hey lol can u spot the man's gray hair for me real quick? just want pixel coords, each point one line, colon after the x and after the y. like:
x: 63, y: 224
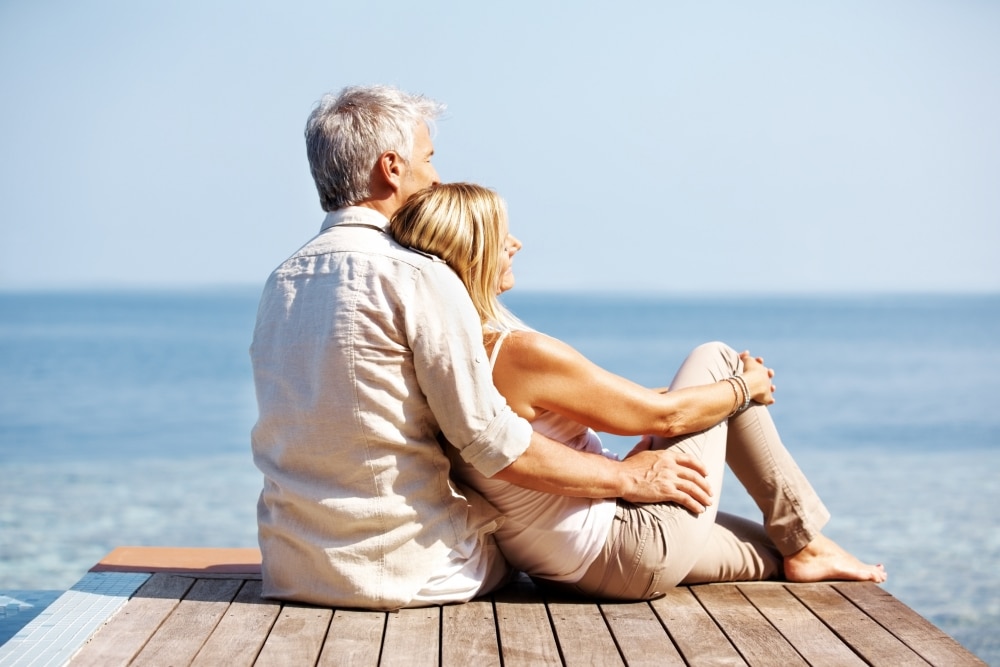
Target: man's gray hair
x: 346, y: 133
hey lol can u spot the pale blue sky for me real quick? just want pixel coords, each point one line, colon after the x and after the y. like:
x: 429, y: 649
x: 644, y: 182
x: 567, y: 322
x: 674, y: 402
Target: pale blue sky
x: 655, y: 146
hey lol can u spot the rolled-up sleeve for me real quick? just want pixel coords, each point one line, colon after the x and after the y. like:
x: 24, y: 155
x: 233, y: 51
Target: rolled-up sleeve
x: 454, y: 373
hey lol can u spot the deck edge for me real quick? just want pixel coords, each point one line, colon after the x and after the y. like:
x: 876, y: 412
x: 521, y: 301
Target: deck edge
x: 181, y: 560
x: 58, y: 632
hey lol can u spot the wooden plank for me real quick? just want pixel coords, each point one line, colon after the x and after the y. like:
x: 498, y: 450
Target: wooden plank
x: 412, y: 638
x: 810, y: 637
x: 355, y: 638
x: 870, y: 640
x: 125, y: 634
x: 641, y: 638
x: 469, y: 635
x: 696, y: 635
x: 185, y: 631
x: 526, y: 636
x: 296, y: 637
x: 241, y: 633
x: 174, y: 618
x: 754, y: 637
x: 582, y: 634
x: 911, y: 628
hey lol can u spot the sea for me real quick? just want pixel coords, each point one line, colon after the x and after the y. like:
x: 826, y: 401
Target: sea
x: 125, y: 420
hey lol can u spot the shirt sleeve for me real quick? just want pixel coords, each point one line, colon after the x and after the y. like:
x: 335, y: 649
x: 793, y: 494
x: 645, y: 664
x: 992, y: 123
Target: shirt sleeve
x: 451, y: 366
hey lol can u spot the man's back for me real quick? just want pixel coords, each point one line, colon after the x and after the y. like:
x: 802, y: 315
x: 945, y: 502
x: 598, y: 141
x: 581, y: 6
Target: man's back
x: 352, y: 357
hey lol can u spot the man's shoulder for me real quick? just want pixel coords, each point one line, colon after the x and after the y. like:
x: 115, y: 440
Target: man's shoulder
x: 425, y: 256
x: 361, y: 242
x: 367, y: 256
x: 361, y: 230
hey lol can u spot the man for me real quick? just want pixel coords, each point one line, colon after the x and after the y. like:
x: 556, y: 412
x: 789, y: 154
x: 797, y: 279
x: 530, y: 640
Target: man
x: 363, y: 353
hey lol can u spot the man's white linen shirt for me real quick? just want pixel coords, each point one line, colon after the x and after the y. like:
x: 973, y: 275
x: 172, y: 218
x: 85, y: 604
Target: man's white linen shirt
x: 362, y: 353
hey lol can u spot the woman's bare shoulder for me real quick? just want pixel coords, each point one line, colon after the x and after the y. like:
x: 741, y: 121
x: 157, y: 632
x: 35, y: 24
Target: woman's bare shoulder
x: 532, y: 367
x: 535, y: 350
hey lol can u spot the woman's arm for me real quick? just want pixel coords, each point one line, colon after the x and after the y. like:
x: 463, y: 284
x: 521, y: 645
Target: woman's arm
x: 534, y: 371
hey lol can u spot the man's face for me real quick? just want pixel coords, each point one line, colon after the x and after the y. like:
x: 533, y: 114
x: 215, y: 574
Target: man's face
x: 420, y: 173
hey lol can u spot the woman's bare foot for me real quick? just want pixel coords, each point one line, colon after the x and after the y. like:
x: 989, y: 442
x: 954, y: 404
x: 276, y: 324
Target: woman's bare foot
x: 825, y: 560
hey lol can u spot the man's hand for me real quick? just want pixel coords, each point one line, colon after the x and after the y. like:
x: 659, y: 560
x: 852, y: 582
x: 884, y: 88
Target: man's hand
x: 666, y: 476
x: 649, y: 476
x: 641, y: 446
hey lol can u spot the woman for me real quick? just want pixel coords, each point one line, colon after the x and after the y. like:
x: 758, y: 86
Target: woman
x: 715, y: 409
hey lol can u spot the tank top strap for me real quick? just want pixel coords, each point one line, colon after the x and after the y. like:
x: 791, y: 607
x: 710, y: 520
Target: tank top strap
x: 496, y: 347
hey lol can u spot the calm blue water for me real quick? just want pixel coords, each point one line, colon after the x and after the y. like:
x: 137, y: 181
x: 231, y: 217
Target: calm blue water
x: 124, y: 419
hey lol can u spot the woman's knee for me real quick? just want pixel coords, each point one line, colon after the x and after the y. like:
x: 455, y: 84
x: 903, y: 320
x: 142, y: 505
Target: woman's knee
x: 717, y: 349
x: 708, y: 362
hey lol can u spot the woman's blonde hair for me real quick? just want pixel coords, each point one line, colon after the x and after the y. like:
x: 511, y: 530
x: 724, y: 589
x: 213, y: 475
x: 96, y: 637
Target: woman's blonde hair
x: 466, y: 226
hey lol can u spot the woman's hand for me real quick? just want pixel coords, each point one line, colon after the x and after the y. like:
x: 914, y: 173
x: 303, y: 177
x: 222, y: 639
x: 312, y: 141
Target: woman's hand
x: 758, y: 379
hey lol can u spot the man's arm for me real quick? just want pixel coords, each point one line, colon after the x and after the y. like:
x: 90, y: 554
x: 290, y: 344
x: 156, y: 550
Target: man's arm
x: 454, y: 373
x: 644, y: 477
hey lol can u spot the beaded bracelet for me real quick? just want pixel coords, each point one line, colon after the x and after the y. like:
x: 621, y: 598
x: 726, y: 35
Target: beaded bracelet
x: 731, y: 381
x: 746, y: 392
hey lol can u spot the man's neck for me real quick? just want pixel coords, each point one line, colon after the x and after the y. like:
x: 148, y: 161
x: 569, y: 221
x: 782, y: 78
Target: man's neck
x: 385, y: 207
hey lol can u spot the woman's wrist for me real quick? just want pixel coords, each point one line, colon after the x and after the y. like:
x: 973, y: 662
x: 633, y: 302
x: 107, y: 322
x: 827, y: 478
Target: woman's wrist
x: 741, y: 394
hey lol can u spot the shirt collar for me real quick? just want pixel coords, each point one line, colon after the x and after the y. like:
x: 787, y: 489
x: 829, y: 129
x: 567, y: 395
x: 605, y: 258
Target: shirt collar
x: 356, y: 216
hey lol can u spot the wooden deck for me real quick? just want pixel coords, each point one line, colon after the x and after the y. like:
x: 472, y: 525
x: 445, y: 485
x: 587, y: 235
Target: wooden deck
x: 203, y: 607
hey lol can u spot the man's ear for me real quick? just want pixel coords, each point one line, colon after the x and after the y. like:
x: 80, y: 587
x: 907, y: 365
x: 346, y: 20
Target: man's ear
x: 390, y: 169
